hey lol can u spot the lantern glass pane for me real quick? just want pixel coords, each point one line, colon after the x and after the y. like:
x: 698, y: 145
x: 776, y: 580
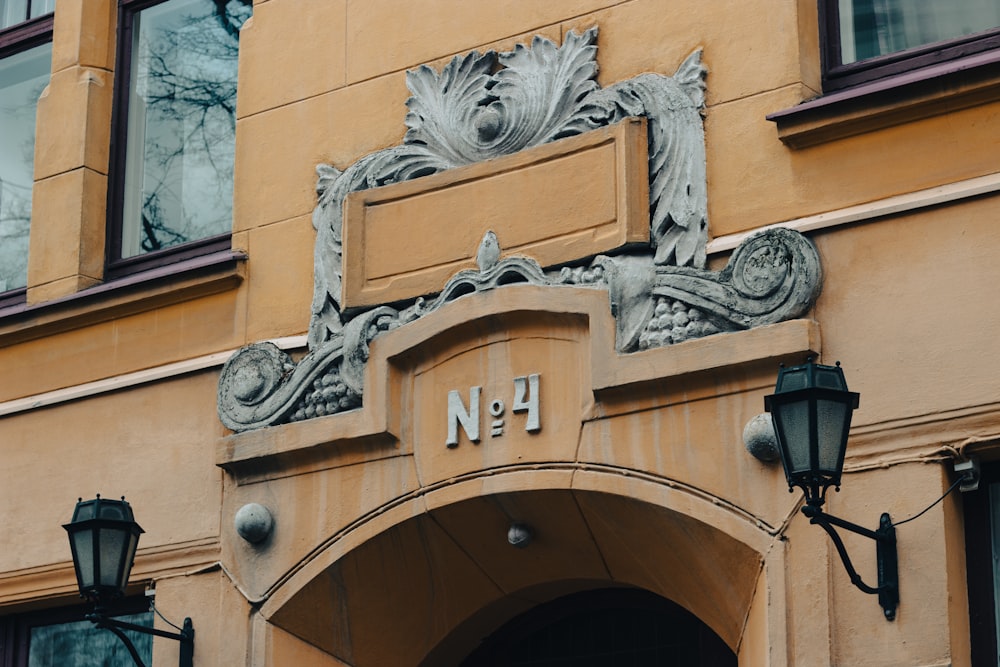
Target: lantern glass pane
x: 792, y: 422
x: 792, y: 379
x: 112, y: 509
x: 132, y: 544
x: 831, y: 416
x: 85, y: 511
x: 83, y: 544
x: 829, y: 377
x: 112, y: 551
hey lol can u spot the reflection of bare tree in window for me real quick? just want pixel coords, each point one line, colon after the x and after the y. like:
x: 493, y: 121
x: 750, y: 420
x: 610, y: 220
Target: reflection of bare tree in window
x: 190, y: 92
x: 15, y: 195
x: 15, y: 220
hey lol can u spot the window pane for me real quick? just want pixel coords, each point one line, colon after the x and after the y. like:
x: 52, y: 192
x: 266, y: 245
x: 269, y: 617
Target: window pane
x: 181, y: 134
x: 23, y: 76
x: 80, y: 644
x: 870, y: 28
x: 42, y: 7
x: 12, y: 12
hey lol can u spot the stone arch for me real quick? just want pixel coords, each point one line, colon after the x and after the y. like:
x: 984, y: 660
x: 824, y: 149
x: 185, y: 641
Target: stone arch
x: 392, y: 589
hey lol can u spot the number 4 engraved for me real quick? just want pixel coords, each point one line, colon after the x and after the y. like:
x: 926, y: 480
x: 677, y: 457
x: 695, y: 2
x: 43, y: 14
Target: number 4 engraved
x: 526, y: 400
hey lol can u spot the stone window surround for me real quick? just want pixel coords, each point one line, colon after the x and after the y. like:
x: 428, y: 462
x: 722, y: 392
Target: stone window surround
x: 14, y: 39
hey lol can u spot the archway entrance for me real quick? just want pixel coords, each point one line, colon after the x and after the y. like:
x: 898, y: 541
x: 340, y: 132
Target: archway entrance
x: 613, y: 626
x: 438, y: 581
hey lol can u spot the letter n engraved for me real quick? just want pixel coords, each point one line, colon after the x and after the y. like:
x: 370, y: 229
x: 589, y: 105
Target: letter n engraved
x: 458, y: 415
x: 526, y: 400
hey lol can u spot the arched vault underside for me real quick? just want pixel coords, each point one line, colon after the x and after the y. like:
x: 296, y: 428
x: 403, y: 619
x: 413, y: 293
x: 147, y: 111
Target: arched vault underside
x: 434, y: 575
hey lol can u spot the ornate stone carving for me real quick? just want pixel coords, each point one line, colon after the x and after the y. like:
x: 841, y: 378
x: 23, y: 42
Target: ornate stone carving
x: 260, y: 386
x: 774, y: 275
x: 472, y: 111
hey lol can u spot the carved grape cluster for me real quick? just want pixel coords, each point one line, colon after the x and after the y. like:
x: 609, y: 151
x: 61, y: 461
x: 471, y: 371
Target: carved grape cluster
x: 674, y: 322
x: 580, y: 275
x: 327, y: 395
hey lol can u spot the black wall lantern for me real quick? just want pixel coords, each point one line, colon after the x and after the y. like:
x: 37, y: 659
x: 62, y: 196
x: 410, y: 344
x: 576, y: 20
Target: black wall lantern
x: 103, y: 537
x: 811, y: 410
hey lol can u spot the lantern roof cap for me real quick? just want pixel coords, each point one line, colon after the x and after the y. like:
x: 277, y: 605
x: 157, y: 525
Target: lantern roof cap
x: 104, y: 509
x: 810, y: 375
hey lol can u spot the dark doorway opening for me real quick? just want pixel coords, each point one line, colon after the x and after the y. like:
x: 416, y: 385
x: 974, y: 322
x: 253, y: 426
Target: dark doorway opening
x: 618, y: 626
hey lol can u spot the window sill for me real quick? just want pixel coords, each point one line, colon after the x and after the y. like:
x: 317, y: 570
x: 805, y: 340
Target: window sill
x: 140, y: 292
x: 915, y: 95
x: 13, y: 298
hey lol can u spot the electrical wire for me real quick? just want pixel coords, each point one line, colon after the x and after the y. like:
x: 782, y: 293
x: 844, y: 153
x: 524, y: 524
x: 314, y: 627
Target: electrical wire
x: 152, y: 605
x: 950, y: 489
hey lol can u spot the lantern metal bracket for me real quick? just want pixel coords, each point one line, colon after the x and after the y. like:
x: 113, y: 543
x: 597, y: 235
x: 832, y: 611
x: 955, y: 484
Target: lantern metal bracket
x: 885, y: 554
x: 185, y: 636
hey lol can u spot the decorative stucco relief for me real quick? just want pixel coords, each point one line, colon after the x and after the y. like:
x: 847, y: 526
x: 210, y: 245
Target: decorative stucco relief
x: 472, y: 111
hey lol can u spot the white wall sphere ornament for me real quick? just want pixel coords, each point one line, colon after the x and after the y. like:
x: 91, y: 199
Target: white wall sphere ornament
x: 254, y: 522
x: 759, y: 438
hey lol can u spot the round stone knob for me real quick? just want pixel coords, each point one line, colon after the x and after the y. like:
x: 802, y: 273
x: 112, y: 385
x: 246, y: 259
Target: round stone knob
x: 759, y: 438
x: 254, y: 523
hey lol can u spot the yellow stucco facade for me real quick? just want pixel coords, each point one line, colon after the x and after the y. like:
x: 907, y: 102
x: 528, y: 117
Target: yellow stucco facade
x: 389, y: 546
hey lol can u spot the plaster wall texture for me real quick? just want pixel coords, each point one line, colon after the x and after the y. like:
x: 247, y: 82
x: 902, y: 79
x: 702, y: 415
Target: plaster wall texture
x: 220, y: 615
x: 907, y: 305
x: 145, y: 444
x: 122, y: 345
x: 902, y: 268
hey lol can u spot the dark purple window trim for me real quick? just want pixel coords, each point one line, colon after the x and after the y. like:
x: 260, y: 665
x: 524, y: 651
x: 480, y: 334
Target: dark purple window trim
x: 115, y: 265
x: 10, y: 298
x: 837, y: 76
x: 161, y: 258
x: 943, y: 75
x: 921, y: 93
x: 15, y: 39
x: 21, y: 36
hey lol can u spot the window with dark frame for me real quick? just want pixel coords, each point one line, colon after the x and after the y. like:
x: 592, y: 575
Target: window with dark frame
x: 982, y: 557
x: 25, y: 65
x: 171, y: 187
x: 867, y: 40
x: 63, y: 637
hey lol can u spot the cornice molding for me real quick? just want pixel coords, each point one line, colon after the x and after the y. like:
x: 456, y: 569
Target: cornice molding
x: 58, y: 581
